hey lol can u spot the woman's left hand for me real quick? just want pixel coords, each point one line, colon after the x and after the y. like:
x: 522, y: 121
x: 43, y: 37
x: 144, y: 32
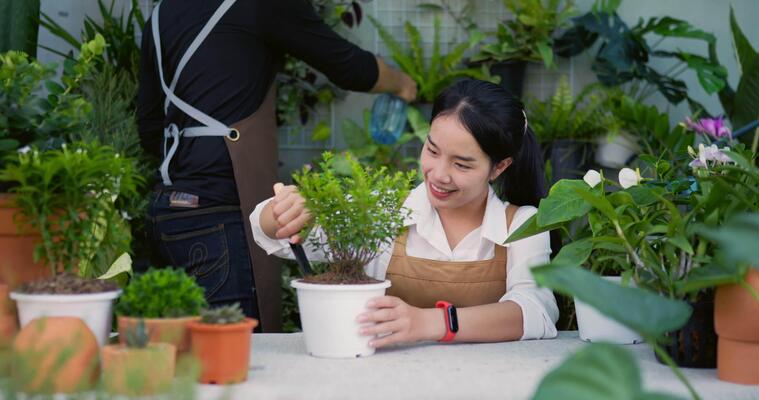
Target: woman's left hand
x: 398, y: 322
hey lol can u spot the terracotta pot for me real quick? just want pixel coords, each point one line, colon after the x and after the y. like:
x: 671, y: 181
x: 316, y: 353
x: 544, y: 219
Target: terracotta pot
x: 138, y: 372
x: 8, y: 321
x: 17, y: 264
x: 55, y: 355
x: 160, y: 330
x: 736, y: 319
x: 223, y: 350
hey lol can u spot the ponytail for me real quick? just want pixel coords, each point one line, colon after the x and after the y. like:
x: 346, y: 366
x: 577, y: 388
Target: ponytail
x: 523, y: 182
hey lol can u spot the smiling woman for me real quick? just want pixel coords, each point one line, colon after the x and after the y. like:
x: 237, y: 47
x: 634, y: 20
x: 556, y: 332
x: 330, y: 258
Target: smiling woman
x: 482, y: 179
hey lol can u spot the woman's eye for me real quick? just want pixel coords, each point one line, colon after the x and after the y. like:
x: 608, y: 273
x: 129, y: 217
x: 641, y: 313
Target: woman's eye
x: 432, y: 151
x: 462, y: 166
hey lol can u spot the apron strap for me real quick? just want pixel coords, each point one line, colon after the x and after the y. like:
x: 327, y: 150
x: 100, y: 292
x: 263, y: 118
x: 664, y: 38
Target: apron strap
x: 212, y: 126
x: 223, y: 8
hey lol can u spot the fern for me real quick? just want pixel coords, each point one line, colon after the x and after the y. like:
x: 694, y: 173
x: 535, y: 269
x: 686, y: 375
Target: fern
x: 441, y: 71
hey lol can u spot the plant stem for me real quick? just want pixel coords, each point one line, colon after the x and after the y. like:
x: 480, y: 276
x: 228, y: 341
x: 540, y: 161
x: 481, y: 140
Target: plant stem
x: 750, y: 289
x: 671, y: 363
x: 755, y: 144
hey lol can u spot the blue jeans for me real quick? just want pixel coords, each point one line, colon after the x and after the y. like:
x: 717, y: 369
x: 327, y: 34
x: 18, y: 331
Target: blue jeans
x: 209, y: 243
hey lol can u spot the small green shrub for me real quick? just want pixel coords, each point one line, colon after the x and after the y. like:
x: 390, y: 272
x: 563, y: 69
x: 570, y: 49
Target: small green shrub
x: 358, y: 213
x: 162, y: 293
x: 230, y: 314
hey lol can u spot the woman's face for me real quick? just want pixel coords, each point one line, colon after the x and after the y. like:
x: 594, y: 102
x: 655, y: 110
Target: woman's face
x: 456, y: 170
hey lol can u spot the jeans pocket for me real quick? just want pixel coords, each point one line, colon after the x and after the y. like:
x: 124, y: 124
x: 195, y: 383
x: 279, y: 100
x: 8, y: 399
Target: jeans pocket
x: 203, y: 253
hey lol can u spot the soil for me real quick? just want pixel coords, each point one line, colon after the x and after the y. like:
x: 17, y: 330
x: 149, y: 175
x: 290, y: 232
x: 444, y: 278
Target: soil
x: 67, y: 283
x: 330, y: 278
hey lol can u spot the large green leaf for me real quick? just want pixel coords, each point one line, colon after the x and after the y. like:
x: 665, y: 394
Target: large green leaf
x: 575, y: 253
x: 710, y: 276
x: 18, y: 25
x: 647, y: 313
x: 600, y: 371
x: 563, y: 203
x: 744, y: 52
x: 737, y: 238
x: 746, y: 105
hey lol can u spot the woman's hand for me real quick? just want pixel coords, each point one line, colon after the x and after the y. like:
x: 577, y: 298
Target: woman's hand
x: 398, y: 322
x: 286, y: 214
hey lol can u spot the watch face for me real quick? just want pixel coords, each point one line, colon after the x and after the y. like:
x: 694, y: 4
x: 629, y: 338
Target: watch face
x: 453, y: 319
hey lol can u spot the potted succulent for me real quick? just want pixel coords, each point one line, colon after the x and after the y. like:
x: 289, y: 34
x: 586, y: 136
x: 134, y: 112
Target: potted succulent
x: 354, y: 216
x: 527, y: 37
x: 221, y: 341
x: 138, y: 367
x: 54, y: 355
x: 166, y: 299
x: 567, y: 126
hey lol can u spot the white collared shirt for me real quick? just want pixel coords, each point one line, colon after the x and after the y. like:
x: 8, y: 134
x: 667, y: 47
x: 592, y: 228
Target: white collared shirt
x: 426, y: 239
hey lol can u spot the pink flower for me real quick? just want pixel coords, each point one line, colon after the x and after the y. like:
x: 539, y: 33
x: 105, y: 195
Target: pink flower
x: 707, y: 156
x: 714, y: 127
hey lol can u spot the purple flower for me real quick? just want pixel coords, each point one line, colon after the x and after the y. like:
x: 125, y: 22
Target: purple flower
x: 708, y: 156
x: 714, y: 127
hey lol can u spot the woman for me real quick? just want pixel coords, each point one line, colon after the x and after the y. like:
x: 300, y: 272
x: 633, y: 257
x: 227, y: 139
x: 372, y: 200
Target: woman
x: 479, y: 151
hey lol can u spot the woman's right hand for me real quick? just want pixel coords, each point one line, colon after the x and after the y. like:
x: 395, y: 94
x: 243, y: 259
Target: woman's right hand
x: 288, y: 213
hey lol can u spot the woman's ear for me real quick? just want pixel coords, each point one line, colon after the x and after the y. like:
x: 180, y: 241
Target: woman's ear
x: 500, y: 167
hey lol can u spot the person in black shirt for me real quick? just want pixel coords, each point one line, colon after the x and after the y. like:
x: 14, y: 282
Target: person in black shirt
x: 215, y: 61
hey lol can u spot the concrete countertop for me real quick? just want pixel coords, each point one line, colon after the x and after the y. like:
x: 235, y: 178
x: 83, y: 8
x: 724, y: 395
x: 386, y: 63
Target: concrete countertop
x: 281, y: 369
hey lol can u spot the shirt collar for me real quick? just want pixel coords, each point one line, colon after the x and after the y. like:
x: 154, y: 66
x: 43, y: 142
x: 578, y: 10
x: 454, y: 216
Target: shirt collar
x: 424, y: 216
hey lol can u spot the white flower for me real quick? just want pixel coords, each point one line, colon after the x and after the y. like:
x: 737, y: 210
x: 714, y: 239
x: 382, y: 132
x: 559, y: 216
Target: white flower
x: 709, y: 156
x: 24, y: 150
x: 628, y: 177
x: 592, y: 178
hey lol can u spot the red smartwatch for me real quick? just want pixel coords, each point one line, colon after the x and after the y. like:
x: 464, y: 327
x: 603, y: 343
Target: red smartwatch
x: 451, y: 320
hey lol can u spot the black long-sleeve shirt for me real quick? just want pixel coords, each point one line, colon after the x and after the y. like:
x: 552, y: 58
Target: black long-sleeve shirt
x: 229, y: 76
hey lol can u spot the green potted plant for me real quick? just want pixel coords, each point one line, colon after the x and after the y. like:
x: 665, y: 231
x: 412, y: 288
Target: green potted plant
x: 737, y: 297
x: 166, y: 299
x: 625, y: 53
x: 31, y: 117
x: 440, y: 71
x: 567, y: 125
x: 356, y: 215
x: 648, y: 228
x: 138, y: 367
x: 526, y: 37
x: 221, y: 341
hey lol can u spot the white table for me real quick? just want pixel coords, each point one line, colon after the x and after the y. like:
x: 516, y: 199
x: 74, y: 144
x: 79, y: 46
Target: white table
x: 281, y: 369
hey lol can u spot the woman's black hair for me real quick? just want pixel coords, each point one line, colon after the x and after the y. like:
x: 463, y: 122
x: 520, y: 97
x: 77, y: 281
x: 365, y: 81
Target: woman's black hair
x: 499, y: 124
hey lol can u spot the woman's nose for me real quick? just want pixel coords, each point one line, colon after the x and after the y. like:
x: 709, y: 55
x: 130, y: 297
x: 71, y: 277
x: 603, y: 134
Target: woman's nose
x: 440, y: 173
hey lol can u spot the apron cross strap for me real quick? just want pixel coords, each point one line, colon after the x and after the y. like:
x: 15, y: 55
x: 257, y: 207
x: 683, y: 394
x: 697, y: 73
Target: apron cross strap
x: 211, y: 126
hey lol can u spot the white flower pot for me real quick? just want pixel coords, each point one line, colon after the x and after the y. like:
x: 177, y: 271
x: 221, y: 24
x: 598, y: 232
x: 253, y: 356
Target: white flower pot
x: 95, y: 309
x: 614, y: 151
x: 328, y: 316
x: 596, y: 327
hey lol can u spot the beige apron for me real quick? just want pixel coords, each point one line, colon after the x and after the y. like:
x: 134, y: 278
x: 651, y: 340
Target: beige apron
x: 252, y: 146
x: 421, y: 282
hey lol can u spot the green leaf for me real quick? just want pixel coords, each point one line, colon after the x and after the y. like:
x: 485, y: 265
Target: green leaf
x: 737, y: 238
x: 563, y: 204
x: 529, y: 228
x: 600, y: 371
x: 598, y: 202
x: 321, y: 132
x: 645, y: 312
x: 744, y: 52
x: 122, y: 265
x: 575, y: 253
x: 746, y: 105
x: 710, y: 276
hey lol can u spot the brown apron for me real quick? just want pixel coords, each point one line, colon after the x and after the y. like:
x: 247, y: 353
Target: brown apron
x: 421, y: 282
x: 255, y: 160
x: 252, y: 146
